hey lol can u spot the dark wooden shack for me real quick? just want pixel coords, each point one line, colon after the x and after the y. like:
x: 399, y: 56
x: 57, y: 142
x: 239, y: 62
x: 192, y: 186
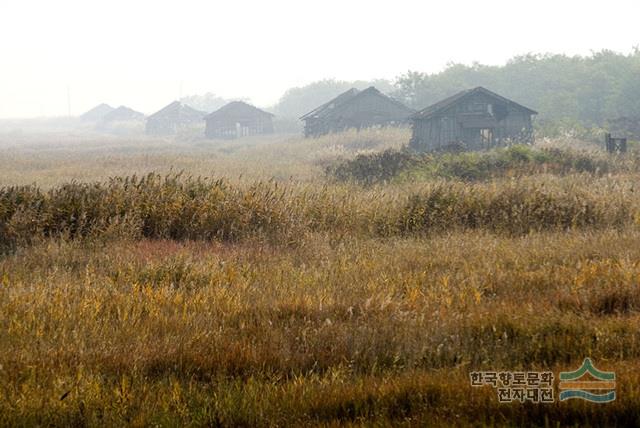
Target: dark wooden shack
x: 355, y: 109
x: 615, y: 144
x: 474, y: 119
x: 238, y: 119
x: 172, y: 119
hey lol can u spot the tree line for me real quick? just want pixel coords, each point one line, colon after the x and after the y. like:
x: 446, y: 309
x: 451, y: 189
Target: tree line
x: 584, y: 91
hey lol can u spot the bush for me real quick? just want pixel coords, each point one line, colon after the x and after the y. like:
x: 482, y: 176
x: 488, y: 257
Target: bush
x: 374, y: 168
x: 200, y: 209
x: 473, y: 166
x: 512, y: 209
x: 152, y: 206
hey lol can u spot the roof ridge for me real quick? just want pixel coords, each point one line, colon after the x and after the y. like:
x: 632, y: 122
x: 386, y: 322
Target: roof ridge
x: 449, y: 101
x: 332, y: 100
x: 226, y: 107
x: 358, y: 93
x: 181, y: 106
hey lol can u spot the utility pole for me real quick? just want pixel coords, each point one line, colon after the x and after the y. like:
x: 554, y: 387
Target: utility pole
x: 69, y: 101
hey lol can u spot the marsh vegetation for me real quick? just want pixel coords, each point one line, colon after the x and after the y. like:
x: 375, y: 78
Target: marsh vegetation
x: 338, y: 280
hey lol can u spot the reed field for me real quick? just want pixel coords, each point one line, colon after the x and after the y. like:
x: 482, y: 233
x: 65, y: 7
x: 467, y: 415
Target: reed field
x: 55, y: 159
x: 323, y: 282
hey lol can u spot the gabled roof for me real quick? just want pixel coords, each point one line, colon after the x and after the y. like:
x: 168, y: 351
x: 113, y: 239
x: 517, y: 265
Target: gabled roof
x: 98, y: 112
x: 445, y: 104
x: 122, y: 113
x: 178, y: 109
x: 343, y: 97
x: 348, y: 97
x: 238, y: 107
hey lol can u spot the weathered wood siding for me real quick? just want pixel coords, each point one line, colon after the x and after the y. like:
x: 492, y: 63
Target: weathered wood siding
x: 365, y: 111
x: 236, y: 126
x: 370, y: 110
x: 478, y: 121
x: 163, y: 126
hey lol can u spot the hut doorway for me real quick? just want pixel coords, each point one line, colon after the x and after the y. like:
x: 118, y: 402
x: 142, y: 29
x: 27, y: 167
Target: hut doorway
x: 486, y: 136
x: 478, y: 138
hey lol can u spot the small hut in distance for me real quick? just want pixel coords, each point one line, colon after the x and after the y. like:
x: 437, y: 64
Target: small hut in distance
x: 122, y: 121
x: 122, y: 114
x: 97, y: 113
x: 238, y: 119
x: 172, y: 119
x: 474, y: 119
x: 355, y: 109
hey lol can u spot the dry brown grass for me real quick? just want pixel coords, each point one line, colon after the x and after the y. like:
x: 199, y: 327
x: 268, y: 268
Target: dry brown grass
x: 330, y: 305
x: 146, y: 331
x: 49, y: 161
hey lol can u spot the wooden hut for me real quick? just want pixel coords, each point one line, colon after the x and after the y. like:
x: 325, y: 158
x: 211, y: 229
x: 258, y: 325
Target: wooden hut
x: 238, y: 119
x: 173, y: 118
x: 122, y: 121
x: 355, y: 109
x: 473, y: 119
x: 97, y: 113
x: 122, y: 114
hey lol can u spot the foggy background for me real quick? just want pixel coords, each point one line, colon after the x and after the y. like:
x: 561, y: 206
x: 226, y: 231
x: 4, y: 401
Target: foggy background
x: 145, y: 54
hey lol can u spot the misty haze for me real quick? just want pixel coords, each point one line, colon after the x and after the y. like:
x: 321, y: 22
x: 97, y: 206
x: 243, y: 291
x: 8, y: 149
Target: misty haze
x: 344, y: 213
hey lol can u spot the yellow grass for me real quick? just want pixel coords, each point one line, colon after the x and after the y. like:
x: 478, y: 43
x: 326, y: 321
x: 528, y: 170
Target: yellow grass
x: 370, y: 311
x: 48, y: 160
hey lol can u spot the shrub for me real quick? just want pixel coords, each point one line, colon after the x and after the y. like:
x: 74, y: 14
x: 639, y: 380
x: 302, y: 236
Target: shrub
x: 511, y: 208
x: 179, y: 208
x: 374, y: 168
x: 474, y: 166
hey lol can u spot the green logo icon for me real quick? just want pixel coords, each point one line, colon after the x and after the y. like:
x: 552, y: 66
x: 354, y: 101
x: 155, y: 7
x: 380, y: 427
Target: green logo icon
x: 571, y: 385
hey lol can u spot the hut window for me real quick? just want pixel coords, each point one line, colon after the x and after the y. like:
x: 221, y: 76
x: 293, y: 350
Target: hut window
x: 500, y: 111
x: 477, y: 107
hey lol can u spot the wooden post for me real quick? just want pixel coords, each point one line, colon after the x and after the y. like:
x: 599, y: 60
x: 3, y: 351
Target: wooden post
x: 615, y: 145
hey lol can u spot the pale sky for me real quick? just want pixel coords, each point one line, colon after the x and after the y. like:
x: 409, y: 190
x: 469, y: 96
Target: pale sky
x: 141, y: 53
